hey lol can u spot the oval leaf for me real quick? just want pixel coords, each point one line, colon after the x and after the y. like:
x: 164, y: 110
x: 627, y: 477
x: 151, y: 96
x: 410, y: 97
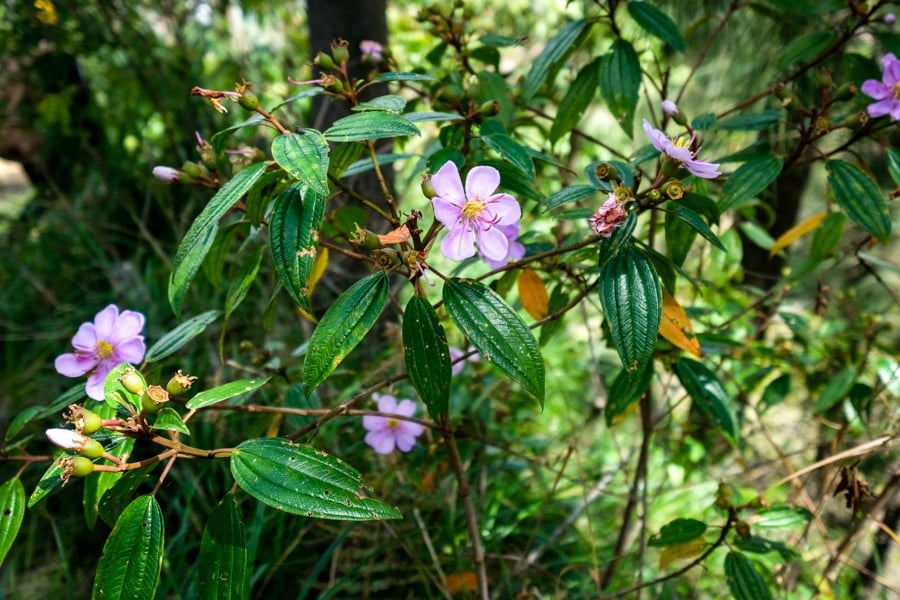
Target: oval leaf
x: 180, y: 336
x: 632, y: 301
x: 427, y: 355
x: 620, y: 82
x: 708, y: 393
x: 572, y: 193
x: 669, y: 554
x: 497, y: 332
x: 782, y: 517
x: 302, y: 480
x: 294, y: 239
x: 226, y: 391
x: 796, y: 232
x: 305, y: 157
x: 860, y: 198
x: 12, y: 511
x: 199, y: 238
x: 657, y: 23
x: 677, y: 532
x: 372, y: 125
x: 749, y: 180
x: 744, y: 581
x: 611, y: 247
x: 511, y: 151
x: 343, y: 326
x: 223, y: 554
x: 533, y: 294
x: 676, y: 327
x: 167, y: 419
x: 132, y: 556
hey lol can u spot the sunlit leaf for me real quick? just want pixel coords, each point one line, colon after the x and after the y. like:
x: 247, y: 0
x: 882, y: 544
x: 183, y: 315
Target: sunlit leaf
x: 555, y: 51
x: 533, y: 294
x: 781, y: 517
x: 225, y: 392
x: 620, y: 82
x: 576, y: 101
x: 372, y: 125
x: 679, y: 531
x: 796, y: 232
x: 676, y: 327
x: 305, y: 157
x: 657, y: 23
x: 669, y: 554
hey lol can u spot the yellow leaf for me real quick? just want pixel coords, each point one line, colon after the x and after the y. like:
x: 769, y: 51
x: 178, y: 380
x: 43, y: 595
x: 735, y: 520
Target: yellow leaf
x: 533, y: 294
x: 676, y: 327
x: 319, y: 266
x: 679, y: 551
x: 796, y: 232
x: 464, y: 581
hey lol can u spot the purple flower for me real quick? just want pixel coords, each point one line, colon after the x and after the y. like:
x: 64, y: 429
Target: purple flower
x: 514, y: 251
x: 166, y: 173
x: 456, y: 354
x: 372, y: 50
x: 476, y: 210
x: 112, y: 338
x: 670, y: 108
x: 608, y: 217
x: 886, y: 92
x: 890, y: 19
x: 67, y: 439
x: 680, y: 152
x: 386, y: 432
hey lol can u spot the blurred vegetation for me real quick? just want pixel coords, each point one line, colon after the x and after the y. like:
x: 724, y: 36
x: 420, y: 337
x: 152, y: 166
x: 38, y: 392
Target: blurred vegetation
x: 106, y: 89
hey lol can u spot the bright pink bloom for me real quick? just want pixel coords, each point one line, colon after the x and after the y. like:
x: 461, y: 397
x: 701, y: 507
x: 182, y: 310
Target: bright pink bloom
x: 386, y: 432
x: 887, y: 91
x: 112, y: 338
x: 514, y: 251
x: 476, y: 210
x: 681, y: 152
x: 608, y: 217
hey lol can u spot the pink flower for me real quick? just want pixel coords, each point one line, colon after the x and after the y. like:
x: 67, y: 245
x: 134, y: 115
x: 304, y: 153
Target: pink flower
x: 372, y: 50
x: 112, y: 338
x: 890, y: 18
x: 670, y: 108
x: 681, y: 152
x: 886, y: 92
x: 514, y: 251
x: 386, y: 432
x: 608, y: 217
x: 166, y: 173
x: 456, y: 354
x: 67, y: 439
x: 477, y: 210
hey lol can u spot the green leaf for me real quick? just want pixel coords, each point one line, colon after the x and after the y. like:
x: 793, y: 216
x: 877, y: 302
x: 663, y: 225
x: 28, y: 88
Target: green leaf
x: 776, y: 391
x: 893, y: 164
x: 782, y: 517
x: 427, y: 355
x: 387, y: 103
x: 114, y: 393
x: 132, y: 556
x: 679, y: 238
x: 751, y: 121
x: 699, y: 225
x: 404, y: 77
x: 12, y: 511
x: 365, y: 164
x: 860, y: 198
x: 200, y: 236
x: 116, y: 498
x: 759, y: 545
x: 611, y: 247
x: 302, y: 480
x: 626, y: 389
x: 512, y: 152
x: 432, y: 115
x: 225, y: 391
x: 548, y: 61
x: 223, y: 554
x: 50, y: 480
x: 679, y: 531
x: 497, y: 332
x: 836, y: 389
x: 97, y: 486
x: 620, y: 82
x: 305, y: 157
x: 294, y: 239
x: 181, y: 335
x: 343, y: 326
x: 243, y: 279
x: 23, y: 418
x: 576, y: 101
x: 572, y: 193
x: 167, y: 419
x: 748, y: 181
x: 708, y: 394
x: 342, y: 157
x: 370, y: 126
x: 632, y: 301
x: 657, y: 23
x: 744, y: 581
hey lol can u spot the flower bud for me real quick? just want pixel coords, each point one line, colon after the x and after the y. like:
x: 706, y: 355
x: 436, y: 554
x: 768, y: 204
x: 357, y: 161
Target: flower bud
x: 180, y: 383
x: 824, y: 80
x: 74, y: 441
x: 153, y: 399
x: 339, y: 51
x: 654, y: 195
x: 133, y: 381
x: 846, y: 91
x: 323, y: 61
x: 84, y: 420
x: 249, y: 101
x: 427, y: 188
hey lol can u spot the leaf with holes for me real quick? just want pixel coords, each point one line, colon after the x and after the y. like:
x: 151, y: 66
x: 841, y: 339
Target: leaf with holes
x: 12, y: 511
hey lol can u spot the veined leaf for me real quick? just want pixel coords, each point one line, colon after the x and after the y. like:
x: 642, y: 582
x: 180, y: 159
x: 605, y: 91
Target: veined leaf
x: 678, y: 531
x: 12, y: 511
x: 497, y: 332
x: 533, y: 294
x: 403, y: 77
x: 181, y: 335
x: 572, y: 193
x: 388, y: 103
x: 576, y: 101
x: 806, y: 48
x: 796, y: 232
x: 611, y: 247
x: 371, y: 125
x: 632, y: 301
x: 548, y: 61
x: 744, y: 581
x: 620, y: 82
x: 304, y: 156
x: 98, y: 485
x: 751, y: 121
x: 343, y: 326
x: 223, y: 554
x: 699, y: 225
x: 676, y: 327
x: 893, y: 164
x: 427, y: 356
x: 860, y: 198
x: 167, y: 419
x: 781, y: 517
x: 225, y: 391
x: 132, y: 556
x: 748, y: 181
x: 708, y: 394
x: 116, y: 498
x: 199, y: 237
x: 657, y: 23
x: 511, y: 151
x: 302, y: 480
x: 294, y: 239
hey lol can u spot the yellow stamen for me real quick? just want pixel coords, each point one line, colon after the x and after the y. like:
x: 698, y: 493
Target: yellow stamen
x: 393, y: 423
x: 103, y: 349
x: 472, y: 209
x: 896, y: 90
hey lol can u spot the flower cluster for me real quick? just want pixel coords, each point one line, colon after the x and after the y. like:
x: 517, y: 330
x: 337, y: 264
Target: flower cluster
x: 608, y: 217
x: 680, y: 152
x: 112, y: 338
x: 386, y: 432
x: 885, y: 92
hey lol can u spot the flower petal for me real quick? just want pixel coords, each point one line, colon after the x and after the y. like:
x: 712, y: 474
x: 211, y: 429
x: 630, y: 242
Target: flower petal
x: 407, y: 408
x: 130, y: 351
x: 446, y: 212
x: 105, y: 321
x: 881, y: 108
x: 891, y: 67
x: 381, y: 442
x: 481, y: 182
x: 875, y: 89
x: 374, y: 422
x: 386, y: 403
x: 505, y: 209
x: 492, y: 244
x: 448, y: 185
x: 702, y: 169
x: 659, y: 139
x: 458, y: 244
x: 85, y: 338
x: 128, y: 325
x: 74, y: 365
x: 405, y: 442
x: 95, y: 384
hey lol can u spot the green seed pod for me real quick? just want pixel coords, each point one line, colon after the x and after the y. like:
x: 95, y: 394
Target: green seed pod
x: 133, y: 382
x: 339, y: 51
x: 323, y: 61
x: 80, y: 466
x: 154, y: 399
x: 180, y: 383
x: 195, y: 170
x: 91, y: 449
x: 84, y: 420
x: 249, y: 101
x: 605, y: 172
x: 675, y: 190
x: 427, y: 188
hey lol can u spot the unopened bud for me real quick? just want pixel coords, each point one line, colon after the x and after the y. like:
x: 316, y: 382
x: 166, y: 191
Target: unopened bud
x: 154, y: 399
x: 180, y: 383
x: 427, y: 188
x: 74, y: 441
x: 824, y: 80
x: 167, y: 174
x: 194, y: 170
x: 84, y: 420
x: 654, y: 195
x: 857, y: 119
x: 364, y: 238
x: 742, y: 528
x: 846, y: 91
